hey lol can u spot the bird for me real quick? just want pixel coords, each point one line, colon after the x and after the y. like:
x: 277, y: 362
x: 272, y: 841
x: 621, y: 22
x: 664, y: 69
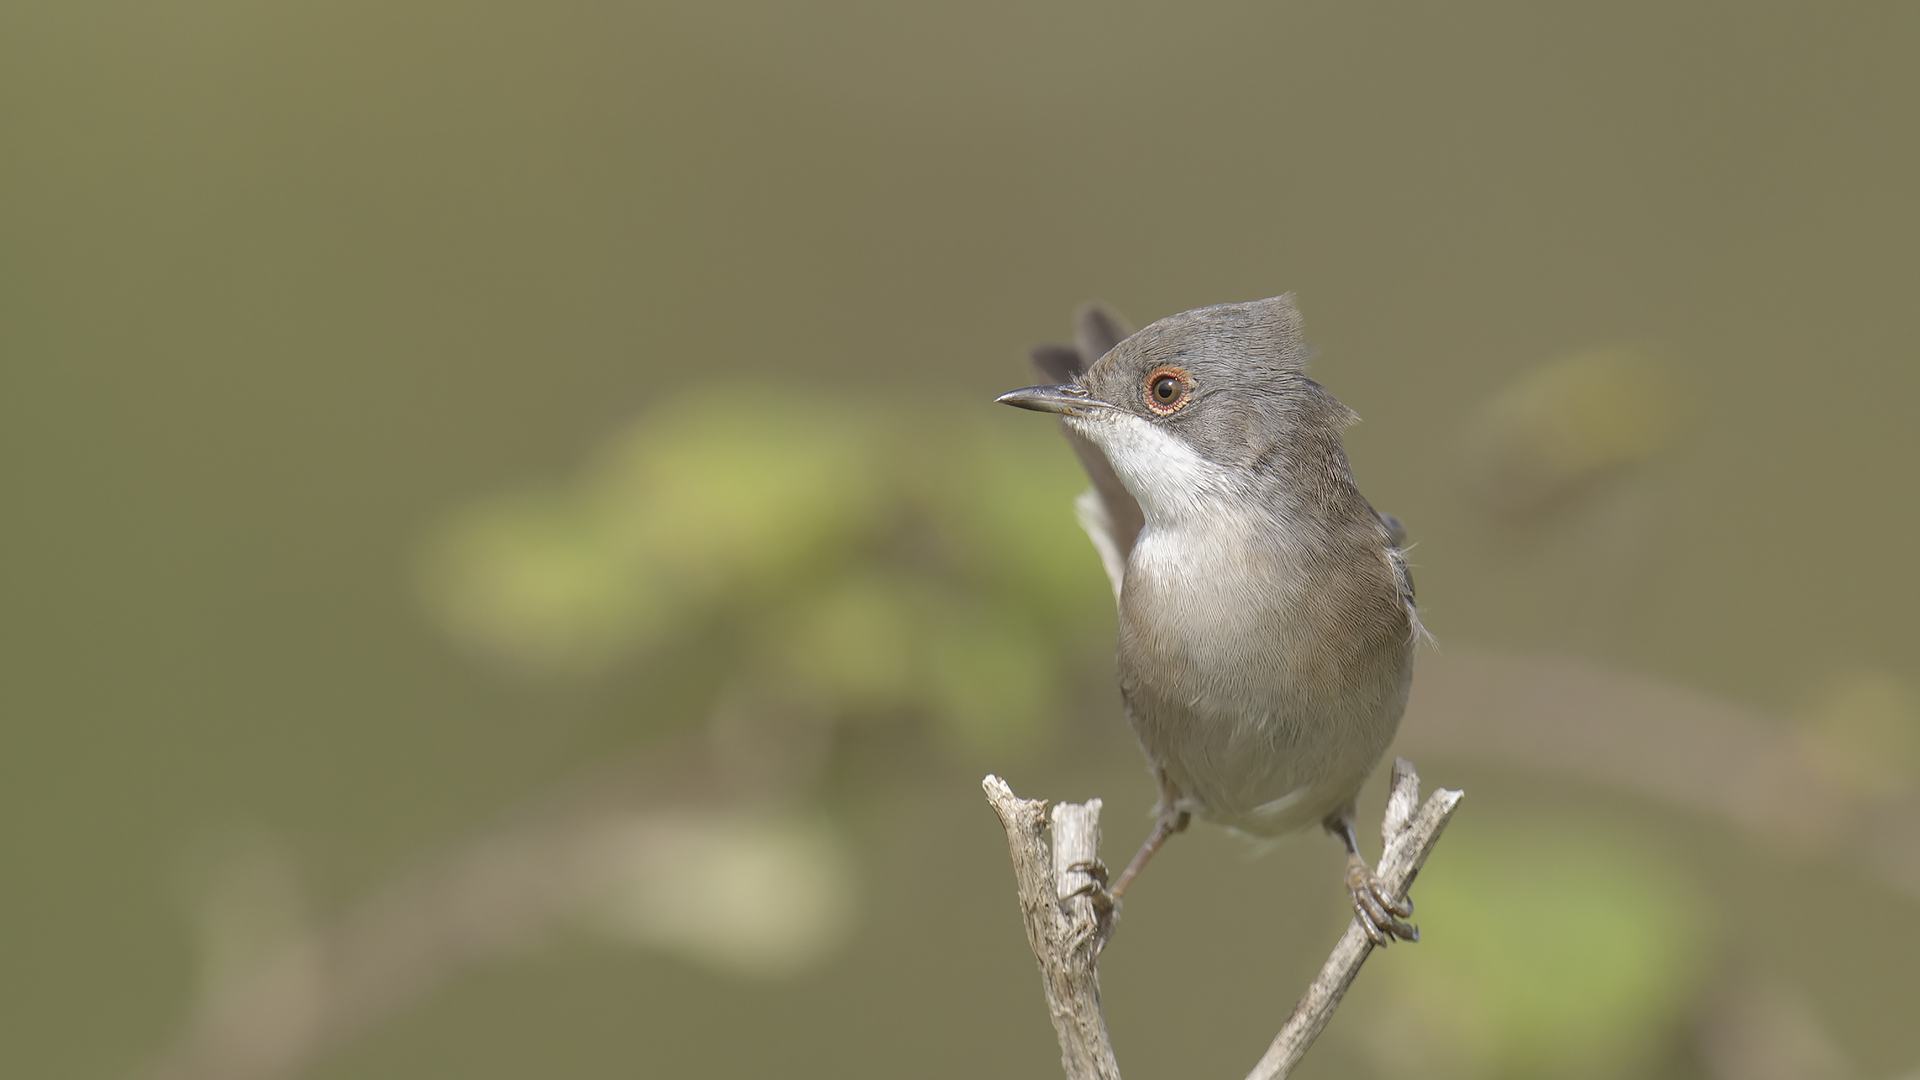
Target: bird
x: 1267, y: 621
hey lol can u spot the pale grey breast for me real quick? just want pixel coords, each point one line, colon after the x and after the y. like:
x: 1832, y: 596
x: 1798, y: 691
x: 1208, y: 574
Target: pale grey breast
x: 1265, y: 665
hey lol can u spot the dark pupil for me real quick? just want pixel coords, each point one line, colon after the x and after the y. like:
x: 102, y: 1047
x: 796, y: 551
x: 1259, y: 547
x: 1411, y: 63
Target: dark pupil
x: 1166, y: 388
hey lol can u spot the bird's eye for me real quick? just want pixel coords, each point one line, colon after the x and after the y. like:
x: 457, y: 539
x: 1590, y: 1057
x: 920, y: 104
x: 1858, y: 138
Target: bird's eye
x: 1167, y: 389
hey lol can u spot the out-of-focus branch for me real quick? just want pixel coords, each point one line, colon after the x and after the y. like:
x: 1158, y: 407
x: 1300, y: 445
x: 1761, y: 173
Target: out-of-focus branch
x: 1069, y: 917
x: 1568, y: 717
x: 481, y: 898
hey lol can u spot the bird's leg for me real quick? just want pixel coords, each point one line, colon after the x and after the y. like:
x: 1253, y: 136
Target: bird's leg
x: 1170, y: 821
x: 1380, y: 914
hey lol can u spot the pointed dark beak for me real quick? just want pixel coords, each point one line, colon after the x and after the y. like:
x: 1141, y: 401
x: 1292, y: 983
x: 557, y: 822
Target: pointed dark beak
x: 1068, y: 399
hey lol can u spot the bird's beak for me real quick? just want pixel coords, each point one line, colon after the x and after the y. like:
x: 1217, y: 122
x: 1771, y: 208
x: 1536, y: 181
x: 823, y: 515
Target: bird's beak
x: 1067, y: 399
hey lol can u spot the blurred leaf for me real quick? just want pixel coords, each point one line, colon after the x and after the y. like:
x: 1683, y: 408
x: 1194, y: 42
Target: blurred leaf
x: 1547, y: 952
x: 734, y: 488
x: 753, y: 896
x: 855, y: 647
x: 718, y: 495
x: 539, y: 580
x: 1008, y: 500
x: 862, y: 570
x: 994, y: 686
x: 1566, y: 423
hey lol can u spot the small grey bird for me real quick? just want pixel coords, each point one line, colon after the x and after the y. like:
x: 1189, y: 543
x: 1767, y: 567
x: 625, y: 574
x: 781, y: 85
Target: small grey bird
x: 1267, y: 620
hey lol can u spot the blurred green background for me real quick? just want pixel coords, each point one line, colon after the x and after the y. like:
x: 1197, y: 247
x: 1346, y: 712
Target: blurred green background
x: 511, y: 568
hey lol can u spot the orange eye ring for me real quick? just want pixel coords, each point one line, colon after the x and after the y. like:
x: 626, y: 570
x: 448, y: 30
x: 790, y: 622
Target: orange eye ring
x: 1167, y: 389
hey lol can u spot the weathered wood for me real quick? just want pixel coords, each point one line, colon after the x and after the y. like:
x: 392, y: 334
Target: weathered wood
x: 1063, y: 903
x: 1408, y: 838
x: 1069, y: 917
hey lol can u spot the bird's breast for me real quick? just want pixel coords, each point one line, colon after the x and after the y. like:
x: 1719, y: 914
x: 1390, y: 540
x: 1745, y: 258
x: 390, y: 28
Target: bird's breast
x: 1256, y: 664
x: 1218, y: 614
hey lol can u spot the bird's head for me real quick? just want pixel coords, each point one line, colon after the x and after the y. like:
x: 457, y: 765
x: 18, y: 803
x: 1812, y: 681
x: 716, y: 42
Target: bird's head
x: 1208, y: 400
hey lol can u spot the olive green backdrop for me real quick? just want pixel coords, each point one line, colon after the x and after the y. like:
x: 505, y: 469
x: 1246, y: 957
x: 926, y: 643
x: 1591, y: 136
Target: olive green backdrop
x: 359, y: 362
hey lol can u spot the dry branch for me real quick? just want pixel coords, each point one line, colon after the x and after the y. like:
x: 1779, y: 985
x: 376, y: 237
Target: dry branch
x: 1069, y: 917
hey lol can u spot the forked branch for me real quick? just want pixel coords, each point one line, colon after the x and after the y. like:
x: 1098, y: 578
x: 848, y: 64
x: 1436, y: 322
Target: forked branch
x: 1069, y: 918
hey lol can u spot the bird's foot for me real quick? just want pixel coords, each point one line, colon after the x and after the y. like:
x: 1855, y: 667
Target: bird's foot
x: 1380, y: 914
x: 1095, y: 887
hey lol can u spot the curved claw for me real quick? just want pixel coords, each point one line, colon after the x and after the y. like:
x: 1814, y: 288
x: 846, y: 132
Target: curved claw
x: 1374, y: 933
x: 1095, y: 887
x: 1093, y: 868
x: 1379, y: 913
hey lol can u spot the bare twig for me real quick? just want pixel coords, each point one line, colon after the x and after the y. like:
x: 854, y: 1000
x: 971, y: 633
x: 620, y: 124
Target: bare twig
x: 1069, y: 918
x: 1408, y: 839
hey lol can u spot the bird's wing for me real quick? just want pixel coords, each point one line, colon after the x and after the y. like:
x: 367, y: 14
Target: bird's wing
x: 1403, y: 575
x: 1396, y: 532
x: 1107, y: 510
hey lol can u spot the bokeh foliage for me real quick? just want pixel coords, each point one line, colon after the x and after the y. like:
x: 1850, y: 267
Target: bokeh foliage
x: 855, y: 562
x: 1555, y: 948
x: 285, y: 281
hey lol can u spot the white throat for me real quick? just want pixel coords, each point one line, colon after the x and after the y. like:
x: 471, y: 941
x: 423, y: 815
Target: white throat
x: 1173, y: 484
